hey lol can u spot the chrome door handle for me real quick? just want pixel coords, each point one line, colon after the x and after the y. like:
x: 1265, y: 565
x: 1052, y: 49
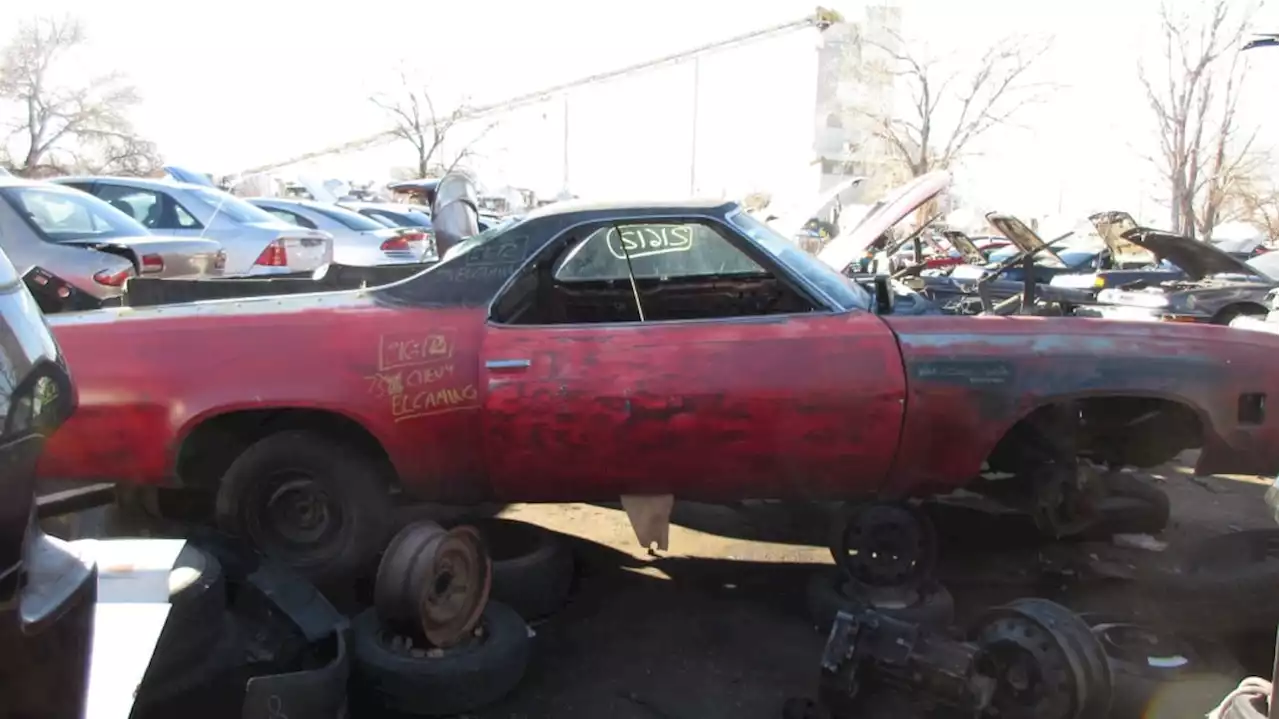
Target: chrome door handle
x: 507, y: 364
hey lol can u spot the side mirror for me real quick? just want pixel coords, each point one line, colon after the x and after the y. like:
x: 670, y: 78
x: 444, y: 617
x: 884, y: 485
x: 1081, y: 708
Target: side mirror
x: 884, y: 295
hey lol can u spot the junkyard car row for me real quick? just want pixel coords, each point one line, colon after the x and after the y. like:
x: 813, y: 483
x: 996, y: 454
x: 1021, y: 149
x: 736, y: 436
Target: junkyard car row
x: 641, y: 353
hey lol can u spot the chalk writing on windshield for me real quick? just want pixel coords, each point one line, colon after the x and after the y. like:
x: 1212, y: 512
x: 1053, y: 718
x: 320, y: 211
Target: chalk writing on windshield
x: 646, y: 240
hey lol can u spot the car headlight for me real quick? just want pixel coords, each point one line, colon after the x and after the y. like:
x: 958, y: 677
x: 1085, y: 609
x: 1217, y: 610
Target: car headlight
x: 1099, y: 281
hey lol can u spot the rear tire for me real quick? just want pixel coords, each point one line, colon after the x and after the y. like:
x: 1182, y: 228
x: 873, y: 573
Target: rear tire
x: 318, y: 506
x: 532, y: 567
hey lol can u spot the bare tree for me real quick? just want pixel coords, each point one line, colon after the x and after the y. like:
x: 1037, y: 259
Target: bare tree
x: 952, y: 103
x: 1252, y: 196
x: 418, y: 123
x: 1193, y: 98
x: 56, y: 125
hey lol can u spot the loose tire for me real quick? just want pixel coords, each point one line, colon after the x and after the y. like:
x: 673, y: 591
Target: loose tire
x: 198, y: 601
x: 829, y: 593
x: 456, y: 680
x: 211, y: 687
x: 532, y: 567
x: 312, y: 503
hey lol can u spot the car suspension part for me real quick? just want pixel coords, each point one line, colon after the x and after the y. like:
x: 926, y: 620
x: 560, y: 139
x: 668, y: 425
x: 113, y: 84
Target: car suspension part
x: 1030, y: 658
x: 433, y: 583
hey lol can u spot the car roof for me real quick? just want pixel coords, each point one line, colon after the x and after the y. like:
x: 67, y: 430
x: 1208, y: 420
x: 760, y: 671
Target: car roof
x: 298, y: 202
x: 147, y: 183
x: 675, y: 207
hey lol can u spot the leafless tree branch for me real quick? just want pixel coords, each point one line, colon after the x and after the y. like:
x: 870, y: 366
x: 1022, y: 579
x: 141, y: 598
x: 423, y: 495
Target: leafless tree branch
x: 952, y: 106
x: 55, y: 120
x: 1201, y: 150
x: 413, y: 112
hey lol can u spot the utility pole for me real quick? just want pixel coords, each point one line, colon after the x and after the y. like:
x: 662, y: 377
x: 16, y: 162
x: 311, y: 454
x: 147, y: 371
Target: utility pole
x: 564, y: 176
x: 693, y: 149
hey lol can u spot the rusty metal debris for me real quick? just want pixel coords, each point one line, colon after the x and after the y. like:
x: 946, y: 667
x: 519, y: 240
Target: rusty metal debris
x: 1029, y: 658
x: 434, y: 583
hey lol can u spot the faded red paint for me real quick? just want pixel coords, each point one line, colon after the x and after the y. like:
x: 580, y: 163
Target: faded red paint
x: 772, y: 407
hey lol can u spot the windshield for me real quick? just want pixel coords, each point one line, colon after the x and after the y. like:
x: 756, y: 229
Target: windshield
x: 1267, y: 264
x: 64, y: 215
x: 233, y: 207
x: 1070, y: 257
x: 840, y: 288
x: 347, y: 218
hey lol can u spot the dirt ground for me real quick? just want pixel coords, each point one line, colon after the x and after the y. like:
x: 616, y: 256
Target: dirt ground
x: 716, y: 628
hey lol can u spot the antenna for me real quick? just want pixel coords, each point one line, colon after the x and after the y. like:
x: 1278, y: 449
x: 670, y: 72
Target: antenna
x: 631, y: 275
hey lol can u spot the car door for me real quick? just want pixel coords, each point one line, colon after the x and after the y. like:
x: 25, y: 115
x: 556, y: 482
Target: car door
x: 805, y: 402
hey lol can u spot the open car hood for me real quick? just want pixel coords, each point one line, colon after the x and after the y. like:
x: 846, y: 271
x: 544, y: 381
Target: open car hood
x: 1197, y: 259
x: 962, y: 244
x: 1025, y: 239
x: 1111, y: 227
x: 853, y: 242
x: 793, y: 219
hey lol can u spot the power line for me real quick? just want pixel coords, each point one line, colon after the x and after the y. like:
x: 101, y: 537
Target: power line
x: 821, y: 19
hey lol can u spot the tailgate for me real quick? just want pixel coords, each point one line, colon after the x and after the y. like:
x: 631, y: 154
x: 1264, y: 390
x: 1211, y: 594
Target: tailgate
x: 306, y: 251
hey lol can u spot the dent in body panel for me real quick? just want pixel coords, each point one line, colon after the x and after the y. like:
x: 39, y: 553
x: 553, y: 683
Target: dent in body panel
x: 965, y: 390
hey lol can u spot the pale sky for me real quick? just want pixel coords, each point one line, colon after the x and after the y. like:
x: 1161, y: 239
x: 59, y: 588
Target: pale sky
x: 237, y: 84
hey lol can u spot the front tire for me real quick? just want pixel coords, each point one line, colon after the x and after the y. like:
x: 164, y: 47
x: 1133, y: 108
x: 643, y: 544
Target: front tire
x: 319, y: 506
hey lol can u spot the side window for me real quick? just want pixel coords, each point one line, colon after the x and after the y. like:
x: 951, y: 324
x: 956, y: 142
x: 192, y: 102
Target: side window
x: 695, y: 270
x: 138, y: 204
x: 291, y: 217
x: 155, y: 210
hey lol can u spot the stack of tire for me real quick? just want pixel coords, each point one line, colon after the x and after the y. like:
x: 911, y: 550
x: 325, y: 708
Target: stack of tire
x: 402, y: 674
x: 901, y: 586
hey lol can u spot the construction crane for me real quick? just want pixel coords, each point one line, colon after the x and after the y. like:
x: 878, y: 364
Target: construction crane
x: 821, y: 19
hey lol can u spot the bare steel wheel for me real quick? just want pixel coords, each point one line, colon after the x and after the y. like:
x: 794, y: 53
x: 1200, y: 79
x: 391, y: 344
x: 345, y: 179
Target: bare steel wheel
x: 434, y: 583
x: 882, y: 545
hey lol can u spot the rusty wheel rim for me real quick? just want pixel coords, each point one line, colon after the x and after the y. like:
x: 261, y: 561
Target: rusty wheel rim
x: 434, y: 583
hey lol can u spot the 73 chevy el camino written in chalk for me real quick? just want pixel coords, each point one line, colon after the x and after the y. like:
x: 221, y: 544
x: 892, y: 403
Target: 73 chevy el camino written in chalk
x: 588, y: 352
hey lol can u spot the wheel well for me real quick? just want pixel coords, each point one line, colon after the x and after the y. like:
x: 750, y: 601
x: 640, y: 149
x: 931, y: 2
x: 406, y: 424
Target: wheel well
x: 1119, y: 430
x: 210, y: 448
x: 1239, y: 308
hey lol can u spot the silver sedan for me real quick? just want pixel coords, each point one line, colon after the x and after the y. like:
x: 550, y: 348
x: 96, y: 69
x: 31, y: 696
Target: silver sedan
x: 91, y: 245
x: 357, y: 240
x: 255, y: 242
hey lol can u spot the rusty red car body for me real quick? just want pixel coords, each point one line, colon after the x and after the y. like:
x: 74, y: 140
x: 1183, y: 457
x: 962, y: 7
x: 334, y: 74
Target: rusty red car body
x: 836, y: 403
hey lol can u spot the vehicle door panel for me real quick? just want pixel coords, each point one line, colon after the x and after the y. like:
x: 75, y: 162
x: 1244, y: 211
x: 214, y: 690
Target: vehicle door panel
x: 761, y: 407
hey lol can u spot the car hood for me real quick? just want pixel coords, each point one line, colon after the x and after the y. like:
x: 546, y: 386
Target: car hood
x: 793, y: 219
x: 852, y: 243
x: 1111, y: 226
x: 965, y: 246
x: 1197, y: 259
x: 1025, y: 239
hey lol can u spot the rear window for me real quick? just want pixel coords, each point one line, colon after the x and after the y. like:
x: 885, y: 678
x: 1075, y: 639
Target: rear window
x: 225, y: 203
x: 66, y: 215
x: 347, y: 218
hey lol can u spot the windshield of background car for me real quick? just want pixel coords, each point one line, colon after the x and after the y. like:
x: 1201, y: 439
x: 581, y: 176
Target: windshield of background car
x: 233, y: 207
x: 348, y: 219
x: 66, y: 215
x: 1268, y: 264
x: 843, y: 290
x: 1070, y: 257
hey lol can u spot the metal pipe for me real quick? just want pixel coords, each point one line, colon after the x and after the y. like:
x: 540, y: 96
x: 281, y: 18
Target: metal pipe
x: 693, y: 149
